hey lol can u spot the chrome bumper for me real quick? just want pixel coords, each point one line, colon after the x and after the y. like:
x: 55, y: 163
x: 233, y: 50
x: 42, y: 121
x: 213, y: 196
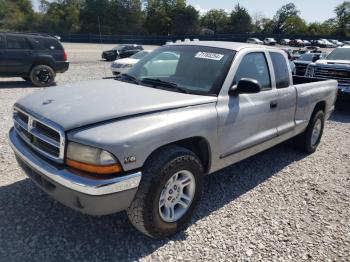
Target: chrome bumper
x: 68, y: 179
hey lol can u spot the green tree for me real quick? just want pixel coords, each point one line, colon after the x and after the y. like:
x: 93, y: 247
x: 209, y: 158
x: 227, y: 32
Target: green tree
x: 158, y: 17
x: 111, y: 16
x: 268, y: 25
x: 184, y: 20
x: 295, y: 25
x: 216, y: 20
x: 343, y: 18
x: 240, y: 20
x: 61, y: 16
x: 16, y: 15
x: 283, y: 14
x: 328, y: 27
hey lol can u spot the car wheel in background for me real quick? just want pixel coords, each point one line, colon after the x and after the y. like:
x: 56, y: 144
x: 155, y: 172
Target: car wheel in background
x: 42, y: 75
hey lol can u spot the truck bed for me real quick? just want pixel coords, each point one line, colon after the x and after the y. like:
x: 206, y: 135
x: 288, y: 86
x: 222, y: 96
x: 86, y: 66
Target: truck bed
x: 310, y: 91
x: 297, y: 80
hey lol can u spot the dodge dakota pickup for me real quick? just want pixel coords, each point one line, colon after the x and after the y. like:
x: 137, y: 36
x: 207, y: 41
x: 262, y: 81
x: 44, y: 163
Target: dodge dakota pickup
x: 142, y: 143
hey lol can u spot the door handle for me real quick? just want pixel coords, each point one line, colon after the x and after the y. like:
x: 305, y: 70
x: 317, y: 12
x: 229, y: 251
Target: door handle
x: 273, y: 104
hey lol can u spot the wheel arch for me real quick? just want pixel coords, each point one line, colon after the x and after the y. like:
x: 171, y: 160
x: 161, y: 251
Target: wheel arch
x: 320, y: 106
x: 42, y: 61
x: 198, y: 145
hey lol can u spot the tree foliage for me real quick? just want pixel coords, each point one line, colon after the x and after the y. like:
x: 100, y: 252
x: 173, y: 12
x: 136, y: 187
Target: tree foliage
x: 159, y: 17
x: 282, y: 16
x: 171, y: 17
x: 240, y: 20
x: 343, y: 18
x: 216, y: 20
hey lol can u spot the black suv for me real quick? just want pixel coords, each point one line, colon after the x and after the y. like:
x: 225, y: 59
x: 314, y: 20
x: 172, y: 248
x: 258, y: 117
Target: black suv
x: 121, y: 51
x: 34, y: 57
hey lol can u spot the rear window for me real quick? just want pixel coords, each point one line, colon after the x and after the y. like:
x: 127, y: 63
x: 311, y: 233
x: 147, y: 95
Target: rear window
x: 281, y: 69
x: 48, y: 43
x: 17, y: 42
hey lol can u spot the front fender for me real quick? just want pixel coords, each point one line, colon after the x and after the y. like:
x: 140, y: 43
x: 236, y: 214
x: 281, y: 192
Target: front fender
x: 141, y: 135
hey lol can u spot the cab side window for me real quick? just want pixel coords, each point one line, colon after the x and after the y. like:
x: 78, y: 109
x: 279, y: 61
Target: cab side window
x: 281, y: 70
x: 254, y: 66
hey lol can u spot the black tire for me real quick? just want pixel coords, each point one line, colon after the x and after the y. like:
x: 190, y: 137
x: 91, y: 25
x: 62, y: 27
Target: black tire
x: 144, y: 211
x: 304, y: 141
x: 26, y: 78
x: 42, y: 75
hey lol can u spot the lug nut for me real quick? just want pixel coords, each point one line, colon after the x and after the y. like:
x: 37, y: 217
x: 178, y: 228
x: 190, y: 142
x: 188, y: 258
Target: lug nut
x: 171, y: 191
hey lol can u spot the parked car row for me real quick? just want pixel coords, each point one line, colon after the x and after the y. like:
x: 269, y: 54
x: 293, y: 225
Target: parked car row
x: 323, y: 43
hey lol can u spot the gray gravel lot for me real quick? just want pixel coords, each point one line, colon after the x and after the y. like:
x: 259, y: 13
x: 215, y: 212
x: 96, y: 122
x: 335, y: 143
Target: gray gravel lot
x: 278, y: 205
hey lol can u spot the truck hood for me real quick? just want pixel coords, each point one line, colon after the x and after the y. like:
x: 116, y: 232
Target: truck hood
x: 333, y: 62
x: 84, y: 103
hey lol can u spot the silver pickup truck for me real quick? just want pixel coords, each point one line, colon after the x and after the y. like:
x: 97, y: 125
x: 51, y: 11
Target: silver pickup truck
x: 143, y: 142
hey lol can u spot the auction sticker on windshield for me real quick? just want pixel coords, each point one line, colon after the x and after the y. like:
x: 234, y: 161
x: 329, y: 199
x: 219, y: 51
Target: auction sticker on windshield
x: 211, y: 56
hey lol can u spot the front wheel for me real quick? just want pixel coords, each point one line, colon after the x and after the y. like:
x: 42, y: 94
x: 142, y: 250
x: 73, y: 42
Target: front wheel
x: 42, y: 75
x: 168, y: 194
x: 311, y: 138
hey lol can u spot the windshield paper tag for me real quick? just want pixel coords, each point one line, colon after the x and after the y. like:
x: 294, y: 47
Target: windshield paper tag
x: 211, y: 56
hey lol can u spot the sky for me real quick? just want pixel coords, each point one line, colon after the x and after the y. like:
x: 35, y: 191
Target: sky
x: 311, y: 10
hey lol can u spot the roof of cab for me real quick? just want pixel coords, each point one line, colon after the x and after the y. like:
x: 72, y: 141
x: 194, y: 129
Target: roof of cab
x: 226, y: 45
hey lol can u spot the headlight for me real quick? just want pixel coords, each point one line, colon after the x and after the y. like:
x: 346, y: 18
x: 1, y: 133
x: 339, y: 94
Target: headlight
x: 91, y: 159
x: 127, y: 66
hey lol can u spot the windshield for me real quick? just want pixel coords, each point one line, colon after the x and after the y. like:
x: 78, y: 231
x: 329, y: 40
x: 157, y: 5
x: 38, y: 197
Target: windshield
x: 190, y: 69
x: 118, y: 47
x: 140, y: 55
x: 306, y: 57
x: 339, y: 54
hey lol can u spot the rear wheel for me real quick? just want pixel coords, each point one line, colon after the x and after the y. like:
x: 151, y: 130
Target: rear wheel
x: 311, y: 138
x: 42, y: 75
x: 168, y: 194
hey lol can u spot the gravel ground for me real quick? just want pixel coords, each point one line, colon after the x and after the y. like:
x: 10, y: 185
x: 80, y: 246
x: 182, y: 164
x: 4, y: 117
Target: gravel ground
x: 278, y: 205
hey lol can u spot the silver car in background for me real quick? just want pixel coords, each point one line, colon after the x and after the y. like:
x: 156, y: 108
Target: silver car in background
x: 121, y: 66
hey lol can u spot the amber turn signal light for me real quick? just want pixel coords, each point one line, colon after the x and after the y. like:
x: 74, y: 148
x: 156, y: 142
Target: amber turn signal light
x: 103, y: 170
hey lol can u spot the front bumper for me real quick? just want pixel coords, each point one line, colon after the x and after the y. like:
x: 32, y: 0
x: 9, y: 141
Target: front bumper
x: 119, y: 70
x: 108, y: 56
x: 87, y: 195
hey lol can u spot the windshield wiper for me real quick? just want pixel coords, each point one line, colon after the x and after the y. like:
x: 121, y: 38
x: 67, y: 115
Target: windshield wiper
x: 129, y: 78
x: 159, y: 82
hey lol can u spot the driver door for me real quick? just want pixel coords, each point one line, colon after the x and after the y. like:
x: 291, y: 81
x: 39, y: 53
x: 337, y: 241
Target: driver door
x: 248, y: 120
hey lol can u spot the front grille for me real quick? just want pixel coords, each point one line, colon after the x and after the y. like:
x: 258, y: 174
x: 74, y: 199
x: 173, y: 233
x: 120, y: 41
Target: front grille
x: 300, y: 69
x: 47, y: 139
x: 48, y: 131
x: 343, y: 76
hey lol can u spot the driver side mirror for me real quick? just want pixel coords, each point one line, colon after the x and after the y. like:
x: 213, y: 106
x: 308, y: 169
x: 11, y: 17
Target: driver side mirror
x: 245, y: 86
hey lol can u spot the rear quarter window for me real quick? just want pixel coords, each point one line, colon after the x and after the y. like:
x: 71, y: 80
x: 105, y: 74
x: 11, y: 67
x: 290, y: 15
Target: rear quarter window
x: 48, y: 43
x: 281, y: 69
